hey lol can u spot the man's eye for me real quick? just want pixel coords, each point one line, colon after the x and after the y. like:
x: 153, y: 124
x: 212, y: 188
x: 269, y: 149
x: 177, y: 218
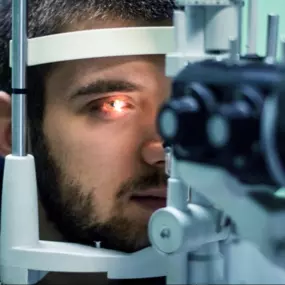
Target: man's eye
x: 111, y: 107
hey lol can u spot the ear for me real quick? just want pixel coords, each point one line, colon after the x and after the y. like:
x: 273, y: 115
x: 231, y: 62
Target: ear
x: 5, y: 124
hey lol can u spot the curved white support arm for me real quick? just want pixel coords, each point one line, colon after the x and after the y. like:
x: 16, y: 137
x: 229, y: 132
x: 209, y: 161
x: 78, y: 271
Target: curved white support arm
x: 66, y: 257
x: 99, y: 43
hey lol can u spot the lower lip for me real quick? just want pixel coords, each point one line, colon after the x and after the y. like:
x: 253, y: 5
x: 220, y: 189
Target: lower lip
x: 150, y: 202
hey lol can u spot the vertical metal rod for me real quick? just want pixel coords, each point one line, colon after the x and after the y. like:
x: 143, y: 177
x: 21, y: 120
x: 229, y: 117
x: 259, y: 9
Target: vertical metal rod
x: 180, y: 25
x: 177, y: 269
x: 272, y: 37
x: 283, y: 49
x: 234, y: 49
x: 177, y: 191
x: 252, y: 27
x: 240, y: 27
x: 19, y: 61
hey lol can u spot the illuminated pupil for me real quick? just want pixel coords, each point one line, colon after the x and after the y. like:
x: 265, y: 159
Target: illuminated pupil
x: 118, y: 105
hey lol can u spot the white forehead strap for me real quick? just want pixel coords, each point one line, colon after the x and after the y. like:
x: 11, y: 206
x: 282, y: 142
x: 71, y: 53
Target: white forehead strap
x: 99, y: 43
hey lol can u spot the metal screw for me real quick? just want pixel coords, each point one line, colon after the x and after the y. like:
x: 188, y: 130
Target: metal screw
x: 97, y: 244
x: 167, y: 160
x: 165, y: 233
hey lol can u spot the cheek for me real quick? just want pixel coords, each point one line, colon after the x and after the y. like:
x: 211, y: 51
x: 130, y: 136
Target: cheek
x: 100, y: 155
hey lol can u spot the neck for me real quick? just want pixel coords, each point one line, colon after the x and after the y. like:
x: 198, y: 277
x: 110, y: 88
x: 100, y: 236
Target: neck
x: 47, y: 229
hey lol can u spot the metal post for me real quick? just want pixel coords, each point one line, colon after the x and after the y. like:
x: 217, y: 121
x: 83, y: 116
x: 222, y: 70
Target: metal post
x: 19, y: 61
x: 234, y: 49
x: 272, y: 37
x: 283, y: 49
x: 252, y: 27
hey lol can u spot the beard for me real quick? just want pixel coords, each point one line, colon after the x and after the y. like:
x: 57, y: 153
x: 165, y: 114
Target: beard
x: 73, y: 212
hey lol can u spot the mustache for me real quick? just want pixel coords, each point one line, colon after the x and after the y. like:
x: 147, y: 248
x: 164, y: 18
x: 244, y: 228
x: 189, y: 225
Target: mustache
x: 155, y: 178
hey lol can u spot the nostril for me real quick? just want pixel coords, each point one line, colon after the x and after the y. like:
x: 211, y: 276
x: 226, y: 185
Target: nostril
x: 165, y: 145
x: 160, y: 163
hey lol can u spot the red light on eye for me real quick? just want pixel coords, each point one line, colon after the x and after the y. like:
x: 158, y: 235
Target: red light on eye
x: 118, y: 105
x: 115, y: 105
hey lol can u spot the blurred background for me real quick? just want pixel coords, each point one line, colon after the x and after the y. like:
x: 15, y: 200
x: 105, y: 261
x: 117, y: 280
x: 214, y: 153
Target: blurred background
x: 265, y: 7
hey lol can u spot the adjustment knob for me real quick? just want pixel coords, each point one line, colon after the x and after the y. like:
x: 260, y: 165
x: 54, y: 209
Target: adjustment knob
x: 181, y: 121
x: 234, y: 126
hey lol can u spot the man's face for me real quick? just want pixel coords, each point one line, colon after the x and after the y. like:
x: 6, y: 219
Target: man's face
x: 101, y: 150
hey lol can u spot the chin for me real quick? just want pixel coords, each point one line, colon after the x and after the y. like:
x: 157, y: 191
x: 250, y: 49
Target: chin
x: 142, y: 213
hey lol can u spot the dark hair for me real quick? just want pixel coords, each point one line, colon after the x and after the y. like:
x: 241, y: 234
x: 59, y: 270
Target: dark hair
x: 47, y: 17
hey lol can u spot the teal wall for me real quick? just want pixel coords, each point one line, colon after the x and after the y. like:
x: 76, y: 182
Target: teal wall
x: 265, y: 7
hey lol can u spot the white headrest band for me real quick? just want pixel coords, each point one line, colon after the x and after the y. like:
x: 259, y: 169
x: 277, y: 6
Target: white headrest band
x: 99, y: 43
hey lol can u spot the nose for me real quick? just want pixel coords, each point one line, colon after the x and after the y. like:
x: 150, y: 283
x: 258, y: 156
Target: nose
x: 153, y: 153
x: 153, y: 147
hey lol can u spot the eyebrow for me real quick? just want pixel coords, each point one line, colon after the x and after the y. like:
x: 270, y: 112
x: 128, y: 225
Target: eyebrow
x: 104, y: 86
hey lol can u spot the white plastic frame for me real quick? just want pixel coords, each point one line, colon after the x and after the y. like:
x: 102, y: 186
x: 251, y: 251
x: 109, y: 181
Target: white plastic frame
x: 98, y: 43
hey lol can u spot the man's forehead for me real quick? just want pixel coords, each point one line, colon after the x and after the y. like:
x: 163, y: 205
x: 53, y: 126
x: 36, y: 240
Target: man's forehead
x: 106, y: 65
x: 68, y: 76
